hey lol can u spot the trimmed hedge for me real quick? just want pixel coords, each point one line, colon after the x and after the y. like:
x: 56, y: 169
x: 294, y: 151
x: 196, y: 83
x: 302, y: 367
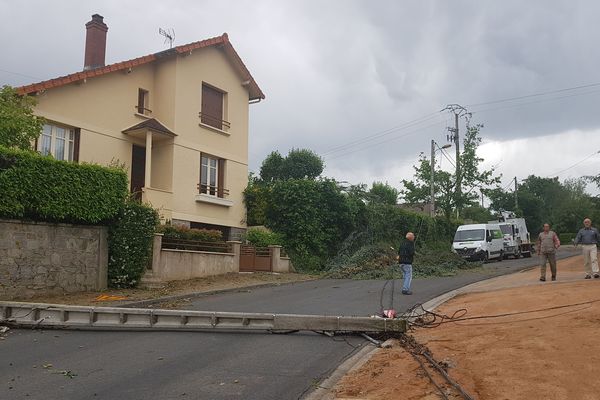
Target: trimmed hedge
x: 566, y: 238
x: 41, y: 188
x: 130, y: 244
x: 183, y: 233
x: 262, y: 238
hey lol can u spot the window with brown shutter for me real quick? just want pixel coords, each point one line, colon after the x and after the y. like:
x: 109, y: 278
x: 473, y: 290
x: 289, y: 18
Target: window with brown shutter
x: 212, y: 107
x: 142, y: 106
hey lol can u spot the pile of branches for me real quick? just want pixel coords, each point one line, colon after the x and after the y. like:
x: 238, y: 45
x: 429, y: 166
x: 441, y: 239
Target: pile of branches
x: 378, y: 261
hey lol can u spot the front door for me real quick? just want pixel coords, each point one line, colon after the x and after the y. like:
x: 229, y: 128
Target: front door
x: 138, y: 170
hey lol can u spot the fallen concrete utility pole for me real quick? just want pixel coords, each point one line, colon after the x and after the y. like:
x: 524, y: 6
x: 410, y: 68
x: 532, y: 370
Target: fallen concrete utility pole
x: 58, y: 316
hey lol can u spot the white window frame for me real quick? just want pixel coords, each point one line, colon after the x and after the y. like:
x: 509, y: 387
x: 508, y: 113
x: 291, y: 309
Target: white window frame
x: 52, y: 131
x: 206, y: 187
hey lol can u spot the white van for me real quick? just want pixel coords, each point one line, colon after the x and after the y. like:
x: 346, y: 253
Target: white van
x: 479, y: 242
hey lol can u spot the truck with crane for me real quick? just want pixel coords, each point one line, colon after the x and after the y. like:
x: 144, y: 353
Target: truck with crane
x: 517, y: 241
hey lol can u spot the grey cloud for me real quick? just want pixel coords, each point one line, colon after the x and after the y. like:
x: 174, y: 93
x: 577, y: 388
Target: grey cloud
x: 338, y: 71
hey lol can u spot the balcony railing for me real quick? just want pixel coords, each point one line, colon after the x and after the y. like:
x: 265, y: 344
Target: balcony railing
x: 214, y: 121
x: 212, y: 190
x: 143, y: 110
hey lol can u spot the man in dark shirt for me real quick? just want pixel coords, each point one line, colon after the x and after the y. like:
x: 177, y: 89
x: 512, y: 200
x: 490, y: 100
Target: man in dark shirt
x: 588, y: 237
x: 406, y: 254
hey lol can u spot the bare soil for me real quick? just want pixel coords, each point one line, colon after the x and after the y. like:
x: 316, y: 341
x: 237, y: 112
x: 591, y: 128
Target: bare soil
x: 174, y: 288
x: 552, y: 354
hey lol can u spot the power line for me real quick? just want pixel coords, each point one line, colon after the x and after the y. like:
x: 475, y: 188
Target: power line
x: 380, y: 134
x: 574, y: 165
x: 448, y: 157
x: 535, y: 94
x: 385, y: 141
x: 20, y: 74
x: 535, y: 102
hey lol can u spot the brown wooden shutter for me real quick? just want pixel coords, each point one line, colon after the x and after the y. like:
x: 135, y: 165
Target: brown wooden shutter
x: 76, y: 140
x: 221, y: 178
x: 212, y: 107
x: 141, y: 105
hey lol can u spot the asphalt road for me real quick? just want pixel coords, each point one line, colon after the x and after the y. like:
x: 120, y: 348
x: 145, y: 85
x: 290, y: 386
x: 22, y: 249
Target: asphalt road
x: 46, y: 364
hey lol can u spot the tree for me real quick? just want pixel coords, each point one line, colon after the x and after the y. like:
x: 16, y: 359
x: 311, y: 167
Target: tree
x: 302, y: 164
x: 313, y: 217
x: 271, y: 168
x: 255, y: 197
x: 477, y: 214
x: 383, y: 193
x: 18, y: 126
x: 472, y: 178
x: 298, y: 164
x: 547, y: 200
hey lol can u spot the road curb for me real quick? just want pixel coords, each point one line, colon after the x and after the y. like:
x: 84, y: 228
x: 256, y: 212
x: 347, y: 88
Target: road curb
x: 194, y: 295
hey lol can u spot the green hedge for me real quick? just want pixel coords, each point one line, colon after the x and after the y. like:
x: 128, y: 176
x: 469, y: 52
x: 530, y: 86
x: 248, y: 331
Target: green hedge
x: 262, y: 238
x: 181, y: 232
x: 41, y: 188
x: 130, y: 244
x: 566, y: 238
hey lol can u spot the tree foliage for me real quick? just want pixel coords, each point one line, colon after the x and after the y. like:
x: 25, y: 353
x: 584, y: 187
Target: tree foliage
x: 382, y: 193
x: 311, y: 215
x: 18, y: 126
x: 472, y: 179
x: 298, y: 164
x: 564, y: 205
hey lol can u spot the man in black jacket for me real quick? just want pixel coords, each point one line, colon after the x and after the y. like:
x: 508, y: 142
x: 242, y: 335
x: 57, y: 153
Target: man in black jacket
x: 406, y: 254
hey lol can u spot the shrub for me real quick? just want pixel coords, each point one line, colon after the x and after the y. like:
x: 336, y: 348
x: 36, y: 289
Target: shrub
x: 44, y: 189
x: 184, y: 233
x: 566, y: 238
x: 130, y: 244
x: 262, y: 238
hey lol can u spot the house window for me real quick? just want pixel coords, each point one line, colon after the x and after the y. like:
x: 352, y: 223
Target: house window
x: 212, y: 173
x: 60, y: 142
x: 143, y: 102
x: 212, y: 112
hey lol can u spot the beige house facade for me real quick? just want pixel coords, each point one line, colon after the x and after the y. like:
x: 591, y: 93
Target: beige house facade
x: 177, y: 120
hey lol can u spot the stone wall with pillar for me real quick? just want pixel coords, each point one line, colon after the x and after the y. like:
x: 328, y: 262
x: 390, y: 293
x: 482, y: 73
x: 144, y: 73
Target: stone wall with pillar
x: 279, y: 263
x: 39, y: 258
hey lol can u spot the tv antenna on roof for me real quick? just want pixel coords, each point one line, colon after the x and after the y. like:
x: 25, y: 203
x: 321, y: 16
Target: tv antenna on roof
x: 169, y: 35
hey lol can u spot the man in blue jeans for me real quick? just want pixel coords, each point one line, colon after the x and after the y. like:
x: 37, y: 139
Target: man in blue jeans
x: 406, y: 254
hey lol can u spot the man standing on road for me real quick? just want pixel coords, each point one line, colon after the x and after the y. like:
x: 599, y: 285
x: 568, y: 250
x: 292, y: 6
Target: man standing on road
x: 589, y: 238
x: 547, y: 244
x: 406, y: 254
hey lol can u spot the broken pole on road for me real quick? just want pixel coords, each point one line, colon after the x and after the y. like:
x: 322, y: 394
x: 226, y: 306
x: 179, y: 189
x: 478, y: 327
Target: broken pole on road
x: 57, y: 316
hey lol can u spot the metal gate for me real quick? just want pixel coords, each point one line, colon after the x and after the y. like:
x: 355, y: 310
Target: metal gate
x: 255, y: 259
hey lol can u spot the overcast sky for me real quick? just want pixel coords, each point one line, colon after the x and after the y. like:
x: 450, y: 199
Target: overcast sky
x: 348, y: 78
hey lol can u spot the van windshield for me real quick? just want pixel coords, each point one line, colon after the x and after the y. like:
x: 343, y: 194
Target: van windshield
x: 469, y: 234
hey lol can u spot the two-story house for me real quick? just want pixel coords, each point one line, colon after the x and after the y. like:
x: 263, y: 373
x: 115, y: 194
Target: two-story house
x: 177, y: 120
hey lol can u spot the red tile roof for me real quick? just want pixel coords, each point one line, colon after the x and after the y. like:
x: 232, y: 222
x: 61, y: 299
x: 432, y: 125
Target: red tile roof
x: 153, y: 124
x: 223, y: 40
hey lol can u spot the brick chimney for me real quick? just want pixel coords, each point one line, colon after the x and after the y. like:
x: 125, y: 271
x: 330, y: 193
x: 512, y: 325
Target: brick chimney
x: 95, y: 42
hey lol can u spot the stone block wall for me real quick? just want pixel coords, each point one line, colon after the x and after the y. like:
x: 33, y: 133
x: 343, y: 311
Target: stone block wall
x: 38, y: 258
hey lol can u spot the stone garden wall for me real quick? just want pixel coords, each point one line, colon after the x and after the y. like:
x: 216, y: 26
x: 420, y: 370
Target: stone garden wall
x: 38, y: 258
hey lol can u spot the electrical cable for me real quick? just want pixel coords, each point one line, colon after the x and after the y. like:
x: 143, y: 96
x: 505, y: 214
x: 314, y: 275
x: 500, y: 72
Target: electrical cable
x: 385, y: 132
x: 574, y: 165
x: 534, y: 95
x: 417, y: 316
x: 382, y: 142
